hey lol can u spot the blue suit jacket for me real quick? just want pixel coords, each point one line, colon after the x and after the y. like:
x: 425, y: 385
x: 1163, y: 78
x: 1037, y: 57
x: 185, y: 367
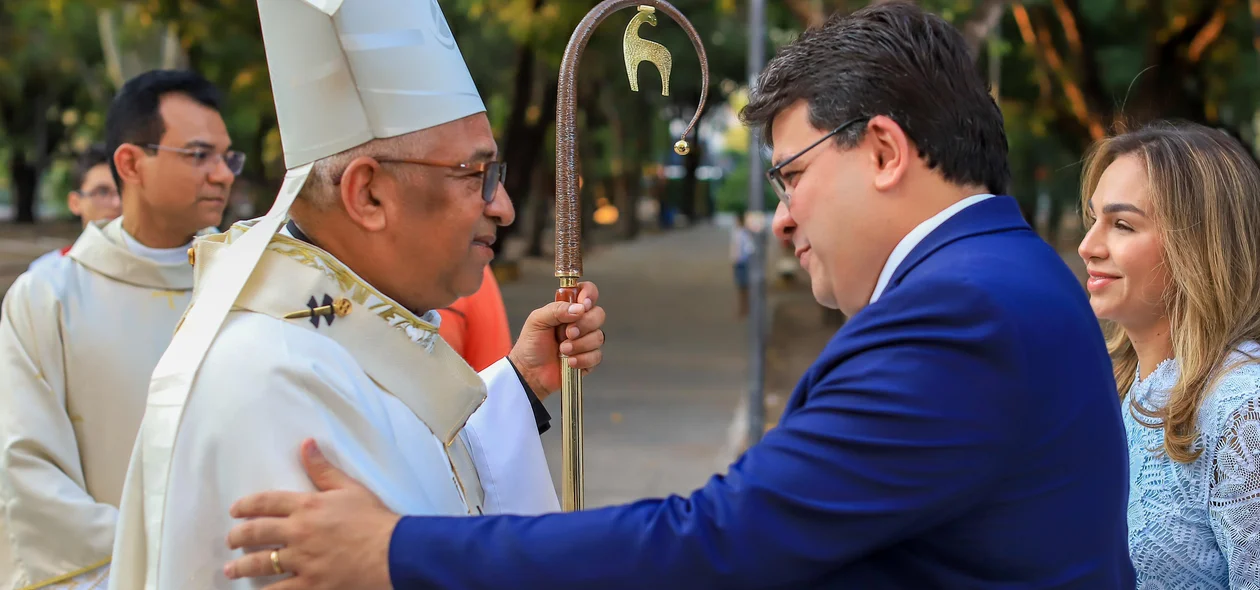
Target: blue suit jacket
x: 962, y: 432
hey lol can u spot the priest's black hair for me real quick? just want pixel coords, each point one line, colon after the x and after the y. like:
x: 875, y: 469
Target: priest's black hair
x: 133, y: 115
x: 93, y: 156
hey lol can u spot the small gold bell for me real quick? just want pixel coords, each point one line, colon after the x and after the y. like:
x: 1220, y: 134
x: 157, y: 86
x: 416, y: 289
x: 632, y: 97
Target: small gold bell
x: 682, y: 148
x: 192, y: 257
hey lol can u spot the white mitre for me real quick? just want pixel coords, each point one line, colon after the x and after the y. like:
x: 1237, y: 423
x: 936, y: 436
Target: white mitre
x: 343, y: 72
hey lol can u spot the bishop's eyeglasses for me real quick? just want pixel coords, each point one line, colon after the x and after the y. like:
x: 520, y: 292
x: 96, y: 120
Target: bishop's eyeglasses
x: 783, y: 188
x: 493, y: 172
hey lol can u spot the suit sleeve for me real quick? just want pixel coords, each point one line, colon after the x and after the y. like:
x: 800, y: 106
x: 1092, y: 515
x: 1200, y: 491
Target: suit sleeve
x: 903, y: 426
x: 53, y: 527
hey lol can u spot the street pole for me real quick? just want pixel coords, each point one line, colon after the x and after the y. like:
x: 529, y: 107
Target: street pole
x: 757, y: 266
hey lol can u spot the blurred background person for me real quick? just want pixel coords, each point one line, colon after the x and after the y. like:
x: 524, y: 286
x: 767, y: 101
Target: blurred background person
x: 476, y: 326
x: 741, y: 255
x: 94, y: 197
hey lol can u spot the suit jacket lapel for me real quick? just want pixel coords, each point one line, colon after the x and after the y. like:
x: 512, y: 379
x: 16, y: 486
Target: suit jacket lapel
x: 998, y: 214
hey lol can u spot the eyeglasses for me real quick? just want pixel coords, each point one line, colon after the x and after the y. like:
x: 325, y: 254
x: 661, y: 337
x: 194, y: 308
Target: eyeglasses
x: 493, y: 173
x: 100, y: 192
x: 775, y: 175
x: 207, y: 159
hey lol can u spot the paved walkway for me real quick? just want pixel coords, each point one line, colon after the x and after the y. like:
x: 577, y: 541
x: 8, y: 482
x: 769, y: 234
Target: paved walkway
x: 20, y: 244
x: 658, y: 410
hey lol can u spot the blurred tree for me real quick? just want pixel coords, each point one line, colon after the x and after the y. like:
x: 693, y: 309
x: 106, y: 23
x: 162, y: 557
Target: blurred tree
x: 1074, y: 78
x: 49, y: 81
x: 1068, y: 72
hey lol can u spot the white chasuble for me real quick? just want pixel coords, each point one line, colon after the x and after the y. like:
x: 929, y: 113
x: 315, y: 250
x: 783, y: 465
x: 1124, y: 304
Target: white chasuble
x: 79, y: 338
x: 309, y: 350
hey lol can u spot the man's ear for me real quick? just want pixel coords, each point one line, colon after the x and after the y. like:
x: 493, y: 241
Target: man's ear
x: 362, y: 187
x: 127, y: 159
x: 72, y: 203
x: 891, y: 151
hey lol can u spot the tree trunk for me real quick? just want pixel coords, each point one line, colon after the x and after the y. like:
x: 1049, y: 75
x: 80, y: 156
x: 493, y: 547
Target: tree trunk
x: 690, y: 200
x: 626, y: 165
x: 590, y: 180
x: 627, y: 202
x: 524, y: 139
x: 983, y: 20
x: 544, y: 196
x: 25, y: 179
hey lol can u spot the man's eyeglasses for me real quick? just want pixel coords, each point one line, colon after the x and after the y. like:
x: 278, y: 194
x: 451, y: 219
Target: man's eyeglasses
x: 493, y: 173
x: 775, y: 175
x: 101, y: 193
x: 207, y: 159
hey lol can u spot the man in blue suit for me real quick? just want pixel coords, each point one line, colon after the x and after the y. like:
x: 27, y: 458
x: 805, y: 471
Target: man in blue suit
x: 961, y: 431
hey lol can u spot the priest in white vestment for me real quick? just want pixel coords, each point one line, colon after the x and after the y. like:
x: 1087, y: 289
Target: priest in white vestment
x: 316, y: 321
x: 81, y: 334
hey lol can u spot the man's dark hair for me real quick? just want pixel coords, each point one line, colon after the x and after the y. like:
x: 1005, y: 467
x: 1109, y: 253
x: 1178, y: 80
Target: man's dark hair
x: 133, y: 115
x: 93, y: 156
x: 897, y: 60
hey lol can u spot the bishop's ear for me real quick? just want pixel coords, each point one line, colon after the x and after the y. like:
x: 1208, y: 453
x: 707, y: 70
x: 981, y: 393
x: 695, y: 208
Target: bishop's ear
x: 129, y: 159
x: 890, y: 153
x: 365, y: 193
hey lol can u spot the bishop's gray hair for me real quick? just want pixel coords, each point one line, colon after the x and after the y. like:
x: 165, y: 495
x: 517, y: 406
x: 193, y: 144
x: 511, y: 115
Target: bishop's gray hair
x: 320, y: 190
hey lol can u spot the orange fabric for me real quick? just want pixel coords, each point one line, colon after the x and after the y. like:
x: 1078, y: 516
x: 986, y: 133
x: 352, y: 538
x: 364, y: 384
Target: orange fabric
x: 476, y: 326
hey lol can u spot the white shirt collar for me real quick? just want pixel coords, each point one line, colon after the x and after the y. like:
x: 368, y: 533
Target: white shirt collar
x: 177, y: 255
x: 915, y: 236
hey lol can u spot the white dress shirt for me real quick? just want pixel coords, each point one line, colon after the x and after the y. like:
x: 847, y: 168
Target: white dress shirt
x: 915, y: 236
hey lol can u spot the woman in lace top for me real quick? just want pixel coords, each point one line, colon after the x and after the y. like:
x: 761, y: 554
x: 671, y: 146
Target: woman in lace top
x: 1173, y: 253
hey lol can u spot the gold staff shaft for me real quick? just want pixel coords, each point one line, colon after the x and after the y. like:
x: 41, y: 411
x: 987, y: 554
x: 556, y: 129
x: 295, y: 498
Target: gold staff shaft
x: 571, y: 407
x: 568, y: 211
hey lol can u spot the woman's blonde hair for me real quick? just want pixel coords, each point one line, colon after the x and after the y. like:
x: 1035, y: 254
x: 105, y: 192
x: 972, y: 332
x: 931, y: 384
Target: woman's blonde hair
x: 1204, y: 189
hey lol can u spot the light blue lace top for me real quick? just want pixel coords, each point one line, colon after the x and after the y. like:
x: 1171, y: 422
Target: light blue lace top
x: 1197, y: 526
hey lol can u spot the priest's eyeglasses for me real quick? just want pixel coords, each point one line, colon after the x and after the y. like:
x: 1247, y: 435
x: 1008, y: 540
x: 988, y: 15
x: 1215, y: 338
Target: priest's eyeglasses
x: 493, y: 172
x: 207, y: 159
x: 783, y: 187
x: 101, y: 192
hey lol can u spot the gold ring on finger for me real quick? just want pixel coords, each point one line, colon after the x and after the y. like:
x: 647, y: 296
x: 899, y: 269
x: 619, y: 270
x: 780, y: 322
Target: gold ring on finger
x: 275, y: 562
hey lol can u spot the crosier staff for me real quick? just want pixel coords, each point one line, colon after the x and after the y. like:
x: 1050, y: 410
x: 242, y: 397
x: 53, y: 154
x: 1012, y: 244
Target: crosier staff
x: 568, y: 212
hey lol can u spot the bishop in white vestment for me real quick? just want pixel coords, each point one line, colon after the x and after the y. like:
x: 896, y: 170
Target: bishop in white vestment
x: 79, y: 337
x: 285, y: 341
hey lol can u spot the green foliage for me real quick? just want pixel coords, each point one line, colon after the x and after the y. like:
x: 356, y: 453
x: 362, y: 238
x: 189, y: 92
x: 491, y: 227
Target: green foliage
x: 732, y: 193
x: 1134, y: 59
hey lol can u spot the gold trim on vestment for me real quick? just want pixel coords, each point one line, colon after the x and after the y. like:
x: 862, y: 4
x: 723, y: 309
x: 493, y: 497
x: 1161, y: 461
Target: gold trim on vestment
x: 64, y: 577
x: 356, y: 288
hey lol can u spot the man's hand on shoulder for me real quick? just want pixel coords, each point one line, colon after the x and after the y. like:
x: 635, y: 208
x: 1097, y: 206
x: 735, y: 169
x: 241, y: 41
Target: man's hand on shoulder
x: 537, y: 352
x: 338, y: 537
